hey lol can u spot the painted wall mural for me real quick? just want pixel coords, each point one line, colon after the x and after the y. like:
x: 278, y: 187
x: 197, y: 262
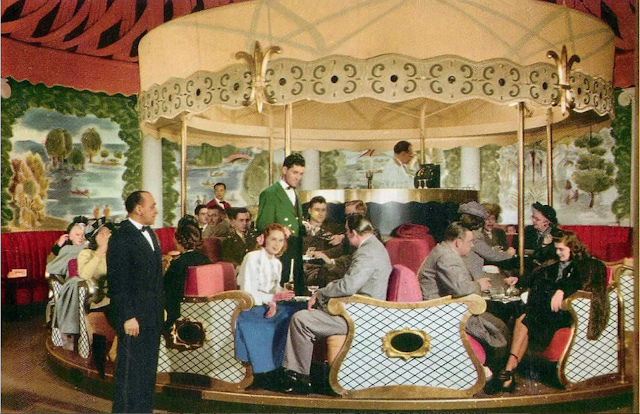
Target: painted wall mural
x: 65, y: 153
x: 68, y: 153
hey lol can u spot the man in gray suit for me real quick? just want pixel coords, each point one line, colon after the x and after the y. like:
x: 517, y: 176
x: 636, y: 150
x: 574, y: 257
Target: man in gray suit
x: 444, y: 272
x: 368, y: 275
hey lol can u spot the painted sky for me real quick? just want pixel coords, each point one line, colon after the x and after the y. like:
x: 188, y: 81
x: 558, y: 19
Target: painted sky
x: 37, y: 122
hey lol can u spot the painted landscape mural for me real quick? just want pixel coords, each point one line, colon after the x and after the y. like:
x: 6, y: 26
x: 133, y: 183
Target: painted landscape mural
x: 67, y: 153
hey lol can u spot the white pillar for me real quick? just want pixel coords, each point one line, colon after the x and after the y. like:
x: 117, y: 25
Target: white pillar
x: 470, y: 168
x: 152, y: 172
x: 311, y: 179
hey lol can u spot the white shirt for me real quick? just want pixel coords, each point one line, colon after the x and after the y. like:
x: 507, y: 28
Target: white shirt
x: 291, y: 192
x: 259, y: 276
x: 144, y: 233
x: 393, y: 175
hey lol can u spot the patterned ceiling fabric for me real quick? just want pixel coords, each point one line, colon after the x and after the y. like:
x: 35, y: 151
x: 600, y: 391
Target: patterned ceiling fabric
x: 77, y: 32
x: 104, y: 34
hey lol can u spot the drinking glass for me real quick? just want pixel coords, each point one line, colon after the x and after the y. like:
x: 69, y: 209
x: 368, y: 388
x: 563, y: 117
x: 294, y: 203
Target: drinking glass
x: 289, y: 286
x: 312, y: 288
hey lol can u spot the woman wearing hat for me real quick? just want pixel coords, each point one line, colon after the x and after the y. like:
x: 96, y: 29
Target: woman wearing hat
x: 537, y: 236
x: 92, y: 263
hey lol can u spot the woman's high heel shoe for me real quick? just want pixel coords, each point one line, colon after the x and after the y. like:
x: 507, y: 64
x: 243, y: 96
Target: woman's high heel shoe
x: 497, y: 383
x: 505, y: 376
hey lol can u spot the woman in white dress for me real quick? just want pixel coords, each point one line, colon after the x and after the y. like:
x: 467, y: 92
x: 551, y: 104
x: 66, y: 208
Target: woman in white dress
x: 261, y: 332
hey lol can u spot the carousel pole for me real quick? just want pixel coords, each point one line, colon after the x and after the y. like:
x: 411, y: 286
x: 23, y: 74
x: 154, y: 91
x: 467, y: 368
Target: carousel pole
x: 183, y: 166
x: 270, y: 118
x: 521, y: 185
x: 423, y: 133
x: 549, y: 157
x: 288, y: 120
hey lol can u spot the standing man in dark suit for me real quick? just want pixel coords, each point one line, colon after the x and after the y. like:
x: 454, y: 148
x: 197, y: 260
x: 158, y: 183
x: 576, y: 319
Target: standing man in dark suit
x: 280, y: 203
x: 134, y: 272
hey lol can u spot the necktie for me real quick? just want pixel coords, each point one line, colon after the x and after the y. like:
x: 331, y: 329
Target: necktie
x: 146, y: 228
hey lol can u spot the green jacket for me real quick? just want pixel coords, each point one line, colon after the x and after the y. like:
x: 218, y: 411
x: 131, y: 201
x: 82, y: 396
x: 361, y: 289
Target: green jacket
x: 275, y: 207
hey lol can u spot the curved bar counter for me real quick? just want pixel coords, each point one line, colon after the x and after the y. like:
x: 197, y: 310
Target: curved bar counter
x: 398, y: 195
x: 371, y: 372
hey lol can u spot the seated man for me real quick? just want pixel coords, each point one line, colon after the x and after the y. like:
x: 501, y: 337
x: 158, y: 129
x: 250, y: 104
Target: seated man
x: 368, y: 275
x: 325, y: 240
x: 202, y: 215
x: 444, y: 272
x: 218, y: 226
x: 538, y: 242
x: 241, y: 241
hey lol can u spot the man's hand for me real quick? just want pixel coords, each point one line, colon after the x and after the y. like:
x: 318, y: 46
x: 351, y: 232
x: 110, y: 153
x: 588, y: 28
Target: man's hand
x: 132, y: 327
x: 511, y: 280
x: 336, y: 239
x: 511, y: 251
x: 556, y: 300
x: 485, y: 283
x: 312, y: 301
x: 321, y: 255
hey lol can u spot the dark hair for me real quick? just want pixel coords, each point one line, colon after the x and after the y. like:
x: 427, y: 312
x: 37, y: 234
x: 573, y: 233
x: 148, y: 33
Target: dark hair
x: 188, y: 234
x: 455, y: 230
x: 220, y: 183
x: 273, y: 227
x: 359, y: 223
x: 93, y: 244
x: 401, y: 146
x: 295, y: 158
x: 234, y: 211
x: 569, y: 238
x: 216, y: 207
x: 198, y: 208
x: 134, y: 199
x: 316, y: 200
x: 471, y: 222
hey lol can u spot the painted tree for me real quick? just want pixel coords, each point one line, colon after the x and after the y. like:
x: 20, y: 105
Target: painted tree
x: 28, y: 188
x: 594, y: 173
x: 91, y: 143
x: 59, y: 145
x: 76, y: 159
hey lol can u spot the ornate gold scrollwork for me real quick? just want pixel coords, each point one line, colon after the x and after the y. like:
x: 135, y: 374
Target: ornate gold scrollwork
x: 564, y: 69
x: 406, y: 343
x: 258, y: 65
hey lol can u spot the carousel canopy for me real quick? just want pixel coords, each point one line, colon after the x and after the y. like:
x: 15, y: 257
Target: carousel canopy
x: 363, y: 74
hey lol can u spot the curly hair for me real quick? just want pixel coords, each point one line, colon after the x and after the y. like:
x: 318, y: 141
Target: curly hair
x: 275, y: 227
x: 493, y: 210
x: 188, y: 234
x: 571, y: 240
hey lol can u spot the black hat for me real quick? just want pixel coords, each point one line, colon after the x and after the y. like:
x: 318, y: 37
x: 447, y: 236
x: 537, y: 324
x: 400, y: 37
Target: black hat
x: 546, y: 211
x: 94, y: 226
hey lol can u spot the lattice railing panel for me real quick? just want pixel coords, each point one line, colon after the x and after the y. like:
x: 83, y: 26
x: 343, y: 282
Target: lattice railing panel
x: 446, y: 365
x: 216, y: 358
x: 587, y: 358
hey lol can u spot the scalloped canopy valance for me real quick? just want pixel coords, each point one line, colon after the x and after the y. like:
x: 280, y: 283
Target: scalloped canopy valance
x: 364, y: 74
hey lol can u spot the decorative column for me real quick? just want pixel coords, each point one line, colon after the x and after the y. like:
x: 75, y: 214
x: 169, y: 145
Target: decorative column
x: 151, y: 166
x: 470, y: 168
x: 311, y: 179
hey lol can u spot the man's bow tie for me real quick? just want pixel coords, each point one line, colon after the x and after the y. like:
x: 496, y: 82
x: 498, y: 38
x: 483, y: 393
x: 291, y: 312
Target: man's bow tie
x: 146, y: 228
x: 290, y: 188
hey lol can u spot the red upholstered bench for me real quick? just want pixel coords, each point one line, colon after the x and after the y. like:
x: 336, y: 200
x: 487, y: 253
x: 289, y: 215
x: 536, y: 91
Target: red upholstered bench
x: 29, y: 250
x: 26, y: 250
